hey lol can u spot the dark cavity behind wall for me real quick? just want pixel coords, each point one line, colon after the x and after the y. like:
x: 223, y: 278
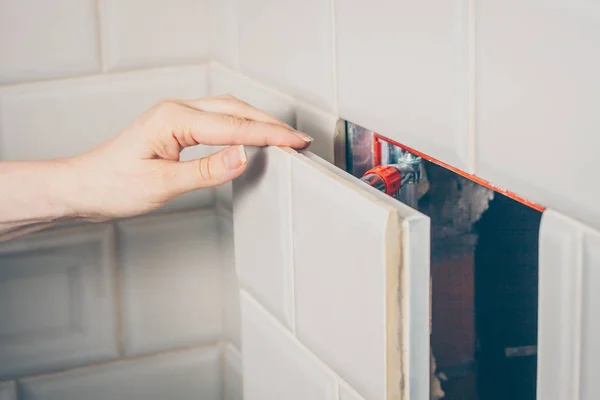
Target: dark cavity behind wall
x: 506, y: 299
x: 484, y: 267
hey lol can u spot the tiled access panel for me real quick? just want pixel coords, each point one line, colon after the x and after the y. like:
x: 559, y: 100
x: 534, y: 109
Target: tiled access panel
x: 335, y: 282
x: 484, y: 269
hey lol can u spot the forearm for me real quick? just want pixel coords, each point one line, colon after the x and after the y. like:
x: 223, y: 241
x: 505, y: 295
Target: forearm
x: 34, y: 196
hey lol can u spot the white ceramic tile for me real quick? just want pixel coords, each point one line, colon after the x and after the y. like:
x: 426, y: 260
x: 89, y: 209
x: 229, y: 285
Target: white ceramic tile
x: 355, y: 249
x: 224, y: 195
x: 171, y: 281
x: 402, y: 72
x: 321, y: 126
x: 66, y: 118
x: 224, y: 32
x: 189, y: 375
x: 141, y: 33
x: 231, y: 289
x: 225, y: 81
x: 348, y: 393
x: 289, y: 45
x: 559, y: 323
x: 590, y: 325
x: 262, y: 232
x: 234, y: 385
x: 275, y: 365
x: 8, y: 391
x: 42, y: 40
x: 537, y: 101
x: 57, y: 300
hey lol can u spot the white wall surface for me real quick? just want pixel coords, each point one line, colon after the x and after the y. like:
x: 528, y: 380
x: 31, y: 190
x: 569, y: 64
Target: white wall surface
x: 131, y: 309
x: 506, y: 90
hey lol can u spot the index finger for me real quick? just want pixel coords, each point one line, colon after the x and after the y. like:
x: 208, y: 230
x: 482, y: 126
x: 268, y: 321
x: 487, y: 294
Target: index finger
x: 192, y: 127
x: 226, y: 104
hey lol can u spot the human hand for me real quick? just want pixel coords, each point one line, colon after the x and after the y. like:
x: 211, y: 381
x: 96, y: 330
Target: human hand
x: 139, y: 170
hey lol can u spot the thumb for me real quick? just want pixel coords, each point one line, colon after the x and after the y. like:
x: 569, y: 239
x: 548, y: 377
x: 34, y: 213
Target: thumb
x: 213, y: 170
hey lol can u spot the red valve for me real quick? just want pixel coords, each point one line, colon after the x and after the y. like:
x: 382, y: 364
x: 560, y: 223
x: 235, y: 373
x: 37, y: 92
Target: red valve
x: 389, y: 175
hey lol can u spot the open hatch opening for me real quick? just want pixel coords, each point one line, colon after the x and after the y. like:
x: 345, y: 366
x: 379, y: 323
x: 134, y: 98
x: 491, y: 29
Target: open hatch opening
x: 484, y: 273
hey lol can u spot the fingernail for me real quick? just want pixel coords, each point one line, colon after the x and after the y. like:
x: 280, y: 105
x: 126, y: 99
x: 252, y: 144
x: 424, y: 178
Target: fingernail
x: 234, y: 157
x: 303, y: 136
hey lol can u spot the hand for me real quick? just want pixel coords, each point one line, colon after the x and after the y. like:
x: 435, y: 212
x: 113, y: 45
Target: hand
x: 139, y: 170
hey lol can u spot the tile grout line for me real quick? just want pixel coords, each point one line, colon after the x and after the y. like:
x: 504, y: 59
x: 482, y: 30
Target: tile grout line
x: 124, y: 360
x: 334, y: 59
x: 472, y: 106
x: 119, y: 306
x: 286, y: 332
x: 100, y: 75
x: 99, y: 40
x: 236, y: 25
x: 263, y: 86
x: 578, y: 316
x: 291, y: 267
x: 222, y: 360
x: 336, y: 388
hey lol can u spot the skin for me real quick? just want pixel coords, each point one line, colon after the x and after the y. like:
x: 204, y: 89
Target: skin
x: 138, y: 170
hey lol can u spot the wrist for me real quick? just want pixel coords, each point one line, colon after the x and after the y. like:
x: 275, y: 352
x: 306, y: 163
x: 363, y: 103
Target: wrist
x: 60, y: 175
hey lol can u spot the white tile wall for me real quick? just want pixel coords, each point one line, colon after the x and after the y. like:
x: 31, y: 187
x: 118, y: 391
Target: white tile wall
x: 171, y: 281
x: 337, y: 282
x: 194, y: 374
x: 8, y: 391
x: 402, y: 71
x: 343, y: 280
x: 41, y: 39
x: 57, y: 305
x: 224, y: 195
x: 569, y: 263
x: 397, y: 67
x: 317, y: 123
x: 537, y: 99
x: 230, y: 286
x: 289, y: 45
x: 321, y: 126
x: 227, y: 81
x: 66, y: 118
x: 224, y: 32
x: 142, y: 33
x: 558, y: 321
x: 348, y: 393
x: 233, y: 379
x: 262, y: 233
x: 590, y: 325
x: 275, y: 365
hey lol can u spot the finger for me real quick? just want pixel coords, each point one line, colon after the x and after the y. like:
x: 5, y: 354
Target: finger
x: 227, y: 104
x: 213, y: 170
x: 192, y: 127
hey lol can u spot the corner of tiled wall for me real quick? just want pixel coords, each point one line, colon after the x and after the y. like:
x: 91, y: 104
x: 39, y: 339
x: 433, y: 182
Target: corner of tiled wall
x: 131, y: 307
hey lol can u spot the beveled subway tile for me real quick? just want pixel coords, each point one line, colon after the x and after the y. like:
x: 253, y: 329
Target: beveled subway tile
x: 57, y: 296
x: 275, y: 365
x: 262, y: 231
x: 187, y: 375
x: 171, y: 281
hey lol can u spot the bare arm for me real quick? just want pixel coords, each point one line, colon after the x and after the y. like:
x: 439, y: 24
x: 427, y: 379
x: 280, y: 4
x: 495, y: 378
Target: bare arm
x: 33, y: 197
x: 138, y: 170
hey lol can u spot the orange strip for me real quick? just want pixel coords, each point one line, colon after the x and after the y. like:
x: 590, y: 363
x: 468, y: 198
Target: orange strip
x: 377, y: 158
